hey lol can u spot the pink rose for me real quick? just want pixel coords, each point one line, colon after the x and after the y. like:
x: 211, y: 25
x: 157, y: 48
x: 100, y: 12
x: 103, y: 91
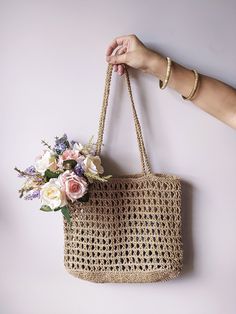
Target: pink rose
x: 68, y: 154
x: 63, y: 178
x: 74, y: 186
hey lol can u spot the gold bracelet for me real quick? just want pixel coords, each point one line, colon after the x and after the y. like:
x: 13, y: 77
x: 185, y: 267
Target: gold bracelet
x: 195, y: 86
x: 162, y: 85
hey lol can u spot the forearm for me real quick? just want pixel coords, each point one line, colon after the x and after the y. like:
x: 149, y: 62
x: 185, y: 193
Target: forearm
x: 213, y: 96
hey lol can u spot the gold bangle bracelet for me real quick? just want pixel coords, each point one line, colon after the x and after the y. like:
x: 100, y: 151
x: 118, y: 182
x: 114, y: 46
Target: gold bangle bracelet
x: 162, y: 85
x: 195, y: 86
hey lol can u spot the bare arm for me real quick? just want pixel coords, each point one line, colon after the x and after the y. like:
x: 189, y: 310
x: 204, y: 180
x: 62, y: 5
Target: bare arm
x: 213, y: 96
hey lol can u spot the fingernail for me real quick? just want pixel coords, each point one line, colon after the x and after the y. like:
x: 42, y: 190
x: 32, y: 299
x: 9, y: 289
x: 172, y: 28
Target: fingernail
x: 108, y: 58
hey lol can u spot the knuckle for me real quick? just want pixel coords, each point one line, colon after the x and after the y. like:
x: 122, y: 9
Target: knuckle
x: 133, y: 36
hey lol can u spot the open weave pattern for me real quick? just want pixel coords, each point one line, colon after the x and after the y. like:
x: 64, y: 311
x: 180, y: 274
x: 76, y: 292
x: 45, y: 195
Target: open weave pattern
x: 128, y: 231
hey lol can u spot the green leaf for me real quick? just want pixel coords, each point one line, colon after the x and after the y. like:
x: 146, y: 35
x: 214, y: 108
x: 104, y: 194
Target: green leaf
x: 69, y: 164
x: 66, y: 213
x: 46, y: 208
x: 97, y: 177
x: 107, y: 177
x: 50, y: 174
x: 56, y: 209
x: 84, y: 198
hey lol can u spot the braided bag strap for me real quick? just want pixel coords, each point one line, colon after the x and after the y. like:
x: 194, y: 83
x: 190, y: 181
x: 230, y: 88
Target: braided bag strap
x: 143, y: 155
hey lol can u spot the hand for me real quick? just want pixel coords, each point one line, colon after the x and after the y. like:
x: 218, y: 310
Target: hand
x: 131, y: 51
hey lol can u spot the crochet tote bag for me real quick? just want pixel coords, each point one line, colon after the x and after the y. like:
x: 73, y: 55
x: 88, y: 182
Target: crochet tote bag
x: 130, y: 229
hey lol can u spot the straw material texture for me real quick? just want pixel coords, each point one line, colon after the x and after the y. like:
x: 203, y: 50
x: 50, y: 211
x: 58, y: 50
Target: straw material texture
x: 130, y: 229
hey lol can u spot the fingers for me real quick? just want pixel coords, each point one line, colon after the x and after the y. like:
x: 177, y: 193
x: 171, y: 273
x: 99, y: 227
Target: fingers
x: 119, y: 46
x: 118, y: 41
x: 119, y: 67
x: 117, y: 59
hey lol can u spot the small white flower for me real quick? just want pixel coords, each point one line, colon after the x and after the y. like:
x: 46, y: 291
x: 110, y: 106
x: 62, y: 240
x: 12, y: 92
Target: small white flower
x: 77, y: 147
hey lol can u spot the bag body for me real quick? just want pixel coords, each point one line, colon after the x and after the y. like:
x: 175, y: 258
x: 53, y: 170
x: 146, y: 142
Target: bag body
x: 130, y: 228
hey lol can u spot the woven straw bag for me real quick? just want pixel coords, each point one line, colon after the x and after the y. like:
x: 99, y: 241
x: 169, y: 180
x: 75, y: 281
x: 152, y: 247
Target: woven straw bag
x: 130, y: 229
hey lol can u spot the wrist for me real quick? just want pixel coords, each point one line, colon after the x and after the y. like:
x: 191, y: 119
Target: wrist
x: 157, y: 65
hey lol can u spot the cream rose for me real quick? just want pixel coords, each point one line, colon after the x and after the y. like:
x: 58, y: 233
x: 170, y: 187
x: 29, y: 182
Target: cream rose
x: 92, y: 164
x: 46, y: 161
x: 53, y: 195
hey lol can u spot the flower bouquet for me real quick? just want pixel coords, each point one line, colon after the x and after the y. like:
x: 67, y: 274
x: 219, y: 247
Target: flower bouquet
x: 62, y: 174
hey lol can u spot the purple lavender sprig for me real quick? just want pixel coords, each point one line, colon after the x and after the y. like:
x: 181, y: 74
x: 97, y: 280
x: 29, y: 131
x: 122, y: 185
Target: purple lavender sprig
x: 28, y: 172
x: 32, y: 195
x: 61, y: 144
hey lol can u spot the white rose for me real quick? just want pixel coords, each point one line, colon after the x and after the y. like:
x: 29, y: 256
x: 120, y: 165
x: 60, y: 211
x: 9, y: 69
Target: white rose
x: 46, y: 161
x: 52, y: 194
x: 92, y: 164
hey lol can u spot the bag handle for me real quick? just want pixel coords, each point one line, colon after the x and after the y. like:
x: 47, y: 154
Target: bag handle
x: 144, y: 159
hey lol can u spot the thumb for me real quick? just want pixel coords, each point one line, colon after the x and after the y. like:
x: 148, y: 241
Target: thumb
x: 117, y: 59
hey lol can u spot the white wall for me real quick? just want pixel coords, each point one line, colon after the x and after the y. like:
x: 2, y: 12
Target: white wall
x: 52, y: 61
